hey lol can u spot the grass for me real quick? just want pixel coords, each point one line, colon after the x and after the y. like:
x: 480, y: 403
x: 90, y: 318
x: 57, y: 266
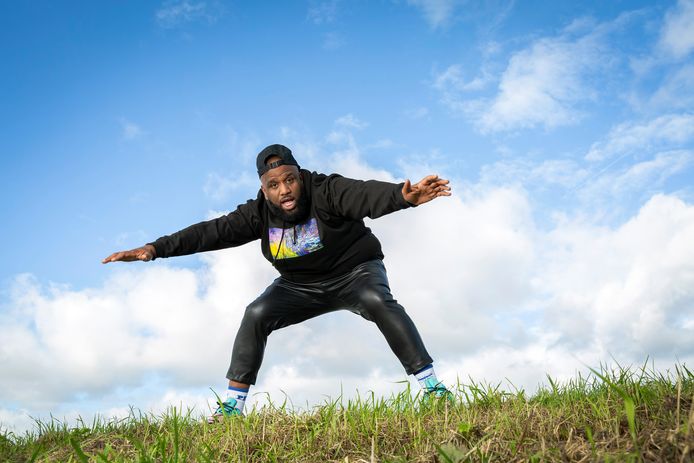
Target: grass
x: 622, y: 414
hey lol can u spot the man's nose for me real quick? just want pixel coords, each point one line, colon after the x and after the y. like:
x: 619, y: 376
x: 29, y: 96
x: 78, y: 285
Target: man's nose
x: 284, y: 189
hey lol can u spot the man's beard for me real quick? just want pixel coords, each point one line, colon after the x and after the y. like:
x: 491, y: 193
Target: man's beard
x: 296, y: 215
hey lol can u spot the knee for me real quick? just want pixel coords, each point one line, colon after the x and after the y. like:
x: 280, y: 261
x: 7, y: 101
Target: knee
x: 374, y: 301
x: 256, y: 312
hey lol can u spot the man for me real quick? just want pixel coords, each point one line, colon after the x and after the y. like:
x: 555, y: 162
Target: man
x: 312, y: 231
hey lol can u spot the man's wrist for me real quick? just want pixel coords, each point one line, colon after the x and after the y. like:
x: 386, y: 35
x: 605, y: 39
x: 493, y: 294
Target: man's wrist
x: 151, y: 249
x: 401, y: 188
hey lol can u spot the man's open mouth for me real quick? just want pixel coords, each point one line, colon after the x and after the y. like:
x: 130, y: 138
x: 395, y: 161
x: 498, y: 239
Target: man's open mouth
x: 288, y: 203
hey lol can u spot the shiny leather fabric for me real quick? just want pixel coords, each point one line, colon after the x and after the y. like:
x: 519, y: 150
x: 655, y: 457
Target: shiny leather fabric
x: 364, y: 291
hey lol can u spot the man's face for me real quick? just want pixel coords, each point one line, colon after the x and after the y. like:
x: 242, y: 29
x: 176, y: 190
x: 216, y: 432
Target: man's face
x: 282, y: 188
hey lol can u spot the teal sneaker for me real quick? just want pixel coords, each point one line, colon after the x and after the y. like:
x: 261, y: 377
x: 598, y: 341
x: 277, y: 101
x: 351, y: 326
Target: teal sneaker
x: 225, y: 409
x: 436, y: 391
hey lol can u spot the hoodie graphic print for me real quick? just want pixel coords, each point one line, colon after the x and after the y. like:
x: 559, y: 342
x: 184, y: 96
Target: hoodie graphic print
x: 299, y: 240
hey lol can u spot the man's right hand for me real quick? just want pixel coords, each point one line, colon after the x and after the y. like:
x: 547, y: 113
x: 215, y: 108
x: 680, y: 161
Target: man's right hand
x: 144, y: 253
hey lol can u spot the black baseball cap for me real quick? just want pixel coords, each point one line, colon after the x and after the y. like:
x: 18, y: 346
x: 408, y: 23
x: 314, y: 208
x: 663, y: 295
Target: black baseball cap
x: 284, y: 153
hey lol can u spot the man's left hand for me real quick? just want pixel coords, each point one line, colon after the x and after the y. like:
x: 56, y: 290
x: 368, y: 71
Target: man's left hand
x: 425, y: 190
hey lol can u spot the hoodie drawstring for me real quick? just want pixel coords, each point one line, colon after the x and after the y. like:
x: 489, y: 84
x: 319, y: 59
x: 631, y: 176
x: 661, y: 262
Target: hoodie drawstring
x: 279, y: 245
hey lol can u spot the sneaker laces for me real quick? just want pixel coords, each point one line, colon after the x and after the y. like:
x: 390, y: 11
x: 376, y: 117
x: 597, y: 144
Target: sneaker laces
x: 437, y: 389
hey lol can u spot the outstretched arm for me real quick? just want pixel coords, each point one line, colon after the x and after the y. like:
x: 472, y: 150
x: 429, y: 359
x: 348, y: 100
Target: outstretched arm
x: 430, y: 187
x: 144, y: 253
x: 357, y: 199
x: 234, y: 229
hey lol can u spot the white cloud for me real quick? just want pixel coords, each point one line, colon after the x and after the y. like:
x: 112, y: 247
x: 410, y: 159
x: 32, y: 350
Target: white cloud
x: 666, y: 131
x: 625, y: 290
x: 452, y: 81
x: 548, y: 84
x: 676, y: 90
x: 562, y: 172
x: 417, y: 165
x: 485, y: 15
x: 632, y: 163
x: 241, y: 151
x: 383, y: 143
x: 15, y: 421
x: 665, y: 63
x: 677, y: 34
x: 542, y: 84
x: 345, y: 160
x: 127, y: 238
x: 174, y: 13
x: 130, y: 130
x: 437, y: 12
x: 220, y: 187
x: 333, y: 41
x: 87, y: 341
x: 417, y: 113
x: 644, y: 177
x: 323, y: 12
x: 349, y: 121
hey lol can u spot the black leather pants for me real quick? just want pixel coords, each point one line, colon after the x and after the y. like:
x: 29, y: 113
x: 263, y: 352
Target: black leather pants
x: 364, y: 291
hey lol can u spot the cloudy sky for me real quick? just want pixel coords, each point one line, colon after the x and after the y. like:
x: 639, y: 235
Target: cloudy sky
x: 566, y: 128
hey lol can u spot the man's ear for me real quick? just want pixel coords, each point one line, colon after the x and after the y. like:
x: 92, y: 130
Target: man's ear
x: 262, y: 187
x: 299, y: 177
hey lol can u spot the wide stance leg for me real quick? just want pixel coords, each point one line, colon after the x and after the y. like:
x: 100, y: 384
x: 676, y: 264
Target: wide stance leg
x: 368, y: 294
x: 279, y: 306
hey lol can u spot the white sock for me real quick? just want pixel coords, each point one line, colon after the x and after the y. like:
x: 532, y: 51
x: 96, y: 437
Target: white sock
x: 239, y: 395
x: 424, y: 375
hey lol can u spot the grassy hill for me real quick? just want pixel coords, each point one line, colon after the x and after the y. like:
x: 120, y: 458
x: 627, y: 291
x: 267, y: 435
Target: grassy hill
x: 628, y: 414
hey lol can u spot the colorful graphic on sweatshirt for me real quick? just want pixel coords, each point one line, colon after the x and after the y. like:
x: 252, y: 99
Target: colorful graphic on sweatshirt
x: 298, y: 240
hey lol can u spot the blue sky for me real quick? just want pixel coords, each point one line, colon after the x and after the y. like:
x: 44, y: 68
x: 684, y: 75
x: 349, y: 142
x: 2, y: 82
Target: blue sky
x: 566, y: 128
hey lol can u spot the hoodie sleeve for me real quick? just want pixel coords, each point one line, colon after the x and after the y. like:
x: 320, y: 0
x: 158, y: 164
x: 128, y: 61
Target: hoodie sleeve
x: 234, y: 229
x: 357, y: 199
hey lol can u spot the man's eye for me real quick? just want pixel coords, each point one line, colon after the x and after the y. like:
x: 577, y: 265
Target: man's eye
x: 290, y: 180
x: 273, y: 185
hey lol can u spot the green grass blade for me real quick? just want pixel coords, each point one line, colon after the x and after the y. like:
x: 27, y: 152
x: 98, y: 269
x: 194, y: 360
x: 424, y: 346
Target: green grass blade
x: 443, y: 454
x: 81, y: 456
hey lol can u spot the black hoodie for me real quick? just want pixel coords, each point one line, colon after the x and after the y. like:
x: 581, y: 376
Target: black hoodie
x: 331, y: 241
